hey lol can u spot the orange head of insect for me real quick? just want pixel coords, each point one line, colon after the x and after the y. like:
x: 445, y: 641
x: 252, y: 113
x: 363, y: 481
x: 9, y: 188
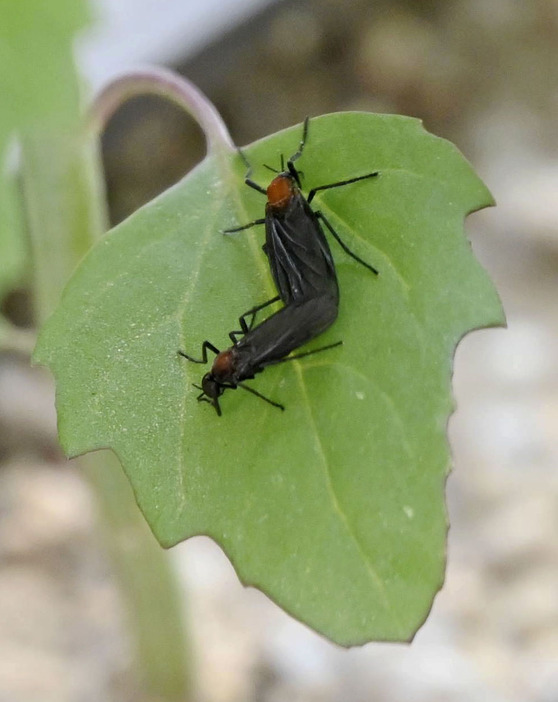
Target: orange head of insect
x: 280, y: 191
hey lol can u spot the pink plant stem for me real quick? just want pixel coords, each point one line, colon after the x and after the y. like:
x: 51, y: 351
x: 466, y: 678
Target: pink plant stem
x: 167, y: 84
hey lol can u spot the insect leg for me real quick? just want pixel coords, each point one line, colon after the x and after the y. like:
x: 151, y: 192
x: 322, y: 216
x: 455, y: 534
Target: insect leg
x: 254, y: 185
x: 263, y: 397
x: 306, y: 353
x: 341, y: 182
x: 250, y: 183
x: 214, y: 402
x: 290, y: 163
x: 244, y: 226
x: 342, y: 243
x: 244, y: 326
x: 298, y: 154
x: 252, y: 312
x: 247, y: 179
x: 206, y: 345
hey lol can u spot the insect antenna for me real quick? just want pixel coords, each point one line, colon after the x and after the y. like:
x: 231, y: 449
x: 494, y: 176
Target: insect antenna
x: 270, y: 168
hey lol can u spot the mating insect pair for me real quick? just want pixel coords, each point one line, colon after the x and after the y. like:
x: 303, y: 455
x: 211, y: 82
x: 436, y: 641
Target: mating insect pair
x: 304, y: 274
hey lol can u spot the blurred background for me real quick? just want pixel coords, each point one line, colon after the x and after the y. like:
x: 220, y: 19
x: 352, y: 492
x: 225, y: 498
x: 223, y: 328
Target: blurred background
x: 482, y: 73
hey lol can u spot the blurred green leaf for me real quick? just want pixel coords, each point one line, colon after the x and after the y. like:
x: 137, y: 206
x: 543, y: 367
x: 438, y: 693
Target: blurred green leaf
x: 335, y: 507
x: 13, y: 250
x: 37, y: 77
x: 39, y: 90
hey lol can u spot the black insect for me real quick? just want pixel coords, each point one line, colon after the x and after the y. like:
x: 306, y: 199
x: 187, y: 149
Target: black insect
x: 268, y: 344
x: 304, y: 273
x: 296, y: 247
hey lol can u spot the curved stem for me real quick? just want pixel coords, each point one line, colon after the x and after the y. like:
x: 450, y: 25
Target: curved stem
x: 167, y: 84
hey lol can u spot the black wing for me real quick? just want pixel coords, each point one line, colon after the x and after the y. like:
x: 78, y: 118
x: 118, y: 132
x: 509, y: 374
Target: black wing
x: 283, y: 332
x: 298, y: 253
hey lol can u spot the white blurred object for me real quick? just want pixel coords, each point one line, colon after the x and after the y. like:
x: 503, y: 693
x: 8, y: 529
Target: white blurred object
x: 527, y: 198
x: 131, y: 32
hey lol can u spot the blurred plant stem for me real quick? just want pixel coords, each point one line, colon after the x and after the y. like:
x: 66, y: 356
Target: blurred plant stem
x: 15, y: 339
x: 66, y: 213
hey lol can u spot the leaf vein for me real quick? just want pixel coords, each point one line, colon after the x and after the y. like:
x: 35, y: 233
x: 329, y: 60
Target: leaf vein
x: 336, y: 505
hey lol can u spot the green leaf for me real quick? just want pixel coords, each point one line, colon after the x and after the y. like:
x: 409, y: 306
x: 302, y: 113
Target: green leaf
x: 335, y: 507
x: 37, y: 77
x: 13, y: 250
